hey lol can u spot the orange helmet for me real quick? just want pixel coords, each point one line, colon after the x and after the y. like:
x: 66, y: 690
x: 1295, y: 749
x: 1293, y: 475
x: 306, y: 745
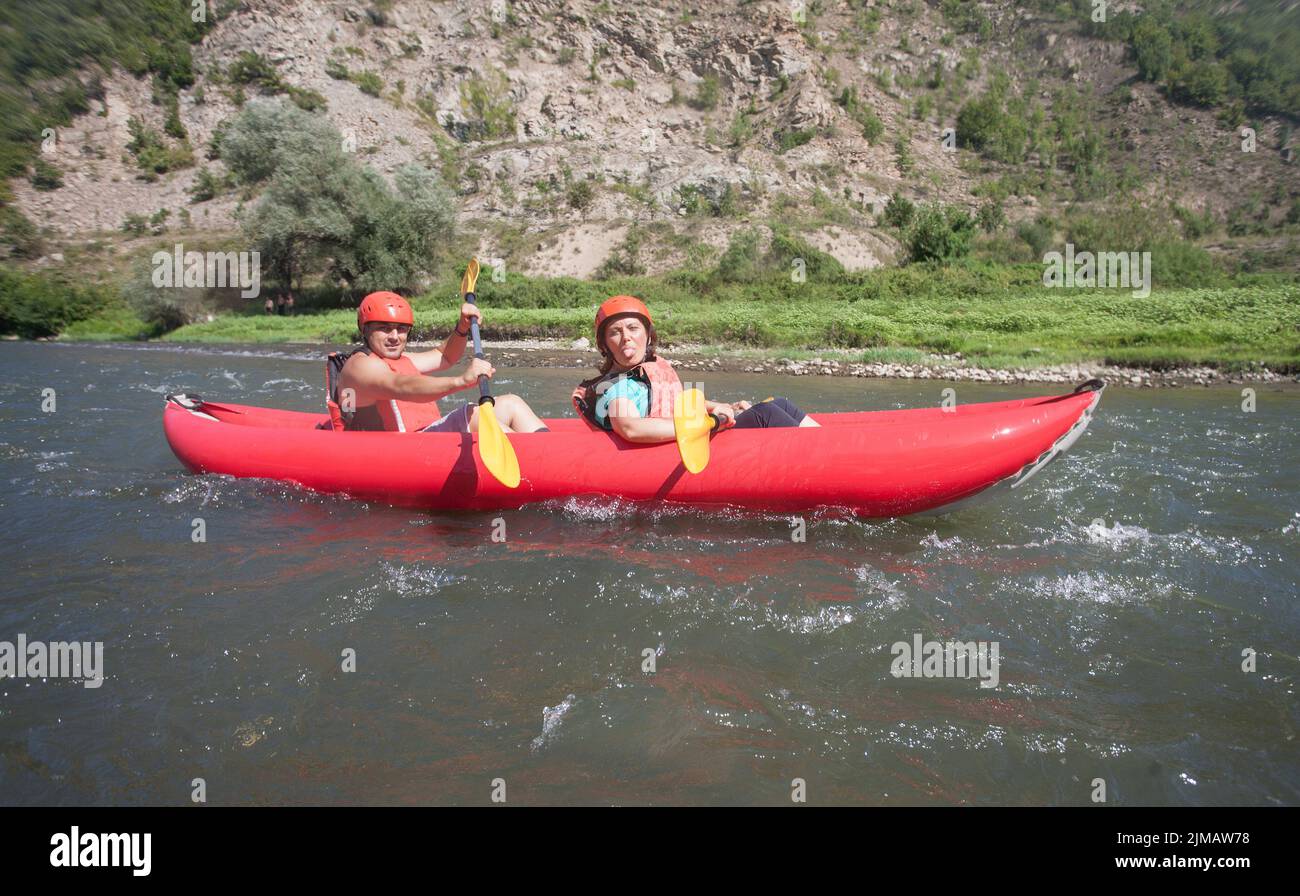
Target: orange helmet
x: 620, y: 305
x: 384, y: 306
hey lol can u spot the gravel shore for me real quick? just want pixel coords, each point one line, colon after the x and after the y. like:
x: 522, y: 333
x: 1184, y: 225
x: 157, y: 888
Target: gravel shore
x: 557, y: 353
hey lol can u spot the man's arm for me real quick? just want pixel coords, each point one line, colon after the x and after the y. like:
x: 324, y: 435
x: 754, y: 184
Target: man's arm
x: 453, y: 347
x: 374, y: 381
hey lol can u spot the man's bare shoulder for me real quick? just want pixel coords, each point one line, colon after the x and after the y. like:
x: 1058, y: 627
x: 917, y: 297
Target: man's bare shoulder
x: 362, y: 363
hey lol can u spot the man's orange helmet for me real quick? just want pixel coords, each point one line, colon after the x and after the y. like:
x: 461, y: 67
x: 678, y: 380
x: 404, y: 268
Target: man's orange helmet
x: 388, y: 307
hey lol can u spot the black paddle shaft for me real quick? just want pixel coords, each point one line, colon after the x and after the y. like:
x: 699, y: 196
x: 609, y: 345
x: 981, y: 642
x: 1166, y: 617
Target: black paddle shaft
x: 484, y: 391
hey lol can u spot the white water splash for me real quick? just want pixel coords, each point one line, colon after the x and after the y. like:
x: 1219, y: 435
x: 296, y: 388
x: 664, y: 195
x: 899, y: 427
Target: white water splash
x: 416, y: 581
x: 1097, y: 588
x: 1117, y: 535
x: 885, y: 592
x: 824, y: 621
x: 552, y: 716
x: 944, y: 544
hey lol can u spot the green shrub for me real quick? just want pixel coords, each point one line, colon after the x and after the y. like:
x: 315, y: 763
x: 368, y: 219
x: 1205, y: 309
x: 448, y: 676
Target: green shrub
x: 36, y: 305
x: 307, y: 100
x: 742, y: 128
x: 486, y: 104
x: 368, y: 83
x: 994, y: 127
x: 173, y: 126
x: 1038, y: 235
x: 336, y: 69
x: 46, y: 176
x: 788, y: 140
x: 152, y: 155
x: 625, y: 259
x: 1153, y: 47
x: 1179, y: 263
x: 251, y: 69
x: 693, y: 199
x: 1199, y: 84
x: 966, y: 18
x: 19, y: 234
x: 872, y: 126
x: 1195, y: 226
x: 706, y: 94
x: 899, y: 212
x: 939, y: 234
x: 817, y: 265
x: 134, y: 224
x: 978, y: 122
x: 581, y: 194
x: 740, y: 263
x: 903, y: 154
x: 205, y: 186
x: 991, y: 217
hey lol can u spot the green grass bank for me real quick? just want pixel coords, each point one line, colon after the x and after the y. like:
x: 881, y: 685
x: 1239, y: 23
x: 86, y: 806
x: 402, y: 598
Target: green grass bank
x: 995, y: 317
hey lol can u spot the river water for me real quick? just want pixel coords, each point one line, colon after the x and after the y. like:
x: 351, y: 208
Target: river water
x: 1141, y: 593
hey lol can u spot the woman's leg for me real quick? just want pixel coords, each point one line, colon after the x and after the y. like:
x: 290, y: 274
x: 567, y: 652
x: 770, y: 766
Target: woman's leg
x: 790, y: 408
x: 766, y: 415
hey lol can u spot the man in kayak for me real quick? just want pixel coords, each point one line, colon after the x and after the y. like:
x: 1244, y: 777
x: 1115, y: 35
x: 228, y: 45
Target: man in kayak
x: 384, y: 388
x: 634, y: 394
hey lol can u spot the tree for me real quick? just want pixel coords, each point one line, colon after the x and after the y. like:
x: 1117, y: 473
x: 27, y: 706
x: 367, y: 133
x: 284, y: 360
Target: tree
x: 940, y: 234
x: 978, y: 122
x: 267, y: 133
x: 1153, y: 46
x: 323, y: 209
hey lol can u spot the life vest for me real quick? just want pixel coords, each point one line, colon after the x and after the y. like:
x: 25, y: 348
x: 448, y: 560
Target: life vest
x: 658, y: 374
x: 382, y: 416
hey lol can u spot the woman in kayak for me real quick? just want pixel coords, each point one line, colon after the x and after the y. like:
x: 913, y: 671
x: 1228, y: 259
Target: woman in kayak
x: 390, y: 389
x: 634, y: 394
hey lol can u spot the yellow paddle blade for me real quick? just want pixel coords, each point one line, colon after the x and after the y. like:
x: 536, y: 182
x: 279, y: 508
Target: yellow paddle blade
x: 693, y: 425
x: 471, y: 277
x: 494, y: 449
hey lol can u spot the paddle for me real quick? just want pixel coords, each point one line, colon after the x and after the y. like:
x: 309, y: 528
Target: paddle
x: 494, y: 449
x: 693, y: 425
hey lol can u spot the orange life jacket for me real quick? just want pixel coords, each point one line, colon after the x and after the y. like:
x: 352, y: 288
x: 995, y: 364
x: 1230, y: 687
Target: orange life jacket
x: 382, y: 416
x: 658, y: 374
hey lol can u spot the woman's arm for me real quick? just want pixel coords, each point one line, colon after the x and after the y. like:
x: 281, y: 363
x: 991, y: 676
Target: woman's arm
x: 725, y: 409
x: 628, y: 423
x: 625, y: 420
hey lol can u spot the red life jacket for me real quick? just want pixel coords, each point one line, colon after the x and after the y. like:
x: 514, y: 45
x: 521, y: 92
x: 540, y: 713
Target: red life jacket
x: 382, y: 416
x: 657, y: 373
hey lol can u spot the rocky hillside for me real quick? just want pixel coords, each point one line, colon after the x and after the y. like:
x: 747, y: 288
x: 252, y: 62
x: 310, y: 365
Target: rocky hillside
x: 579, y: 134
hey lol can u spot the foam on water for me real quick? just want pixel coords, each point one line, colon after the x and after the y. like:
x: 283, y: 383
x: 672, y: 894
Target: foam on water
x: 552, y: 716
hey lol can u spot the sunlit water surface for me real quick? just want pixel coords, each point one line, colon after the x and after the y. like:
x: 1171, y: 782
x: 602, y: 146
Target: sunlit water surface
x: 1121, y: 642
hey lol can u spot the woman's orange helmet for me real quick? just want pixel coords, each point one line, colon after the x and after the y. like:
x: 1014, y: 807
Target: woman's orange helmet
x: 620, y: 305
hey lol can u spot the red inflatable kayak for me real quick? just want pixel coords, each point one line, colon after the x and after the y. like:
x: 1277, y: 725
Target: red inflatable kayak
x: 875, y: 463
